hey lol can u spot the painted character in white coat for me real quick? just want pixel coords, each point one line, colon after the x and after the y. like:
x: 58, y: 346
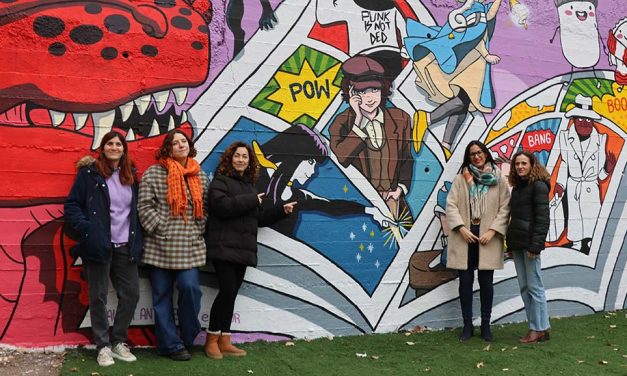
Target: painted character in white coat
x: 579, y: 32
x: 585, y: 162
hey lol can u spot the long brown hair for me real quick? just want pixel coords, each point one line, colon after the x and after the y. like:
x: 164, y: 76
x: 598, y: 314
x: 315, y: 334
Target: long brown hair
x: 165, y: 150
x: 126, y: 165
x: 225, y: 167
x: 538, y: 172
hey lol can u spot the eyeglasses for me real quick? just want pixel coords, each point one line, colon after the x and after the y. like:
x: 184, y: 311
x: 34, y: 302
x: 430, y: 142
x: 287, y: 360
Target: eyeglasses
x: 476, y: 154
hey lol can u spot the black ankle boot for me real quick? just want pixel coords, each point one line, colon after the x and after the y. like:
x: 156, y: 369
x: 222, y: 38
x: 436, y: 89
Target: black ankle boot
x: 486, y: 333
x: 467, y: 331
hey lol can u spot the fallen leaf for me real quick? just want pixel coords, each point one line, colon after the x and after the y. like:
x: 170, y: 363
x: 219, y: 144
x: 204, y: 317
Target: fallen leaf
x: 375, y: 357
x: 418, y: 329
x: 613, y: 326
x: 250, y: 371
x: 612, y: 313
x: 410, y: 343
x: 625, y: 356
x: 73, y: 369
x: 604, y: 362
x: 361, y: 355
x: 407, y: 334
x: 503, y: 349
x: 607, y: 316
x: 590, y: 337
x: 505, y: 369
x: 95, y: 374
x: 330, y: 338
x: 307, y: 339
x: 427, y: 369
x: 514, y: 348
x: 580, y: 361
x: 487, y: 348
x: 290, y: 343
x: 479, y: 365
x: 615, y: 349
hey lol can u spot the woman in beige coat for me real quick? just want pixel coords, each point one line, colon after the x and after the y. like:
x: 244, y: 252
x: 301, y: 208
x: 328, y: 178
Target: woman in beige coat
x: 477, y: 210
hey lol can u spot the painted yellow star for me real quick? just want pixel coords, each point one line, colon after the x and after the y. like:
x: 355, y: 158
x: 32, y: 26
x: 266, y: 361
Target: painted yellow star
x: 305, y: 92
x: 361, y: 247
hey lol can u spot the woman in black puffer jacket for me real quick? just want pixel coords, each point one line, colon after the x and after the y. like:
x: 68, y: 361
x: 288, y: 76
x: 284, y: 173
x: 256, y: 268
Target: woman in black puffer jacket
x: 235, y: 213
x: 526, y: 234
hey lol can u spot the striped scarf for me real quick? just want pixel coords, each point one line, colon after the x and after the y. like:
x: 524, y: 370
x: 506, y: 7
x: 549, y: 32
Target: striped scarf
x: 177, y: 192
x: 478, y: 184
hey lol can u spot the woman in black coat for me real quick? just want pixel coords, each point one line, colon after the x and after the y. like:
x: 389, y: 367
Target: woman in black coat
x: 235, y: 213
x: 101, y: 211
x: 526, y: 234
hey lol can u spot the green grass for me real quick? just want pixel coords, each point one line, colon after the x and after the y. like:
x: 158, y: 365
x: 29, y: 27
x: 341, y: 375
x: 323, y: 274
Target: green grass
x: 588, y: 346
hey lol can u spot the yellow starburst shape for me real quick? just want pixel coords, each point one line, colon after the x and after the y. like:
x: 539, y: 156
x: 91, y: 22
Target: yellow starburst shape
x: 613, y: 107
x: 304, y: 93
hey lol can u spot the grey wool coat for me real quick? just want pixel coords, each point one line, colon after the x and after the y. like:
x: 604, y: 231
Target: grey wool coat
x: 169, y: 242
x: 496, y: 217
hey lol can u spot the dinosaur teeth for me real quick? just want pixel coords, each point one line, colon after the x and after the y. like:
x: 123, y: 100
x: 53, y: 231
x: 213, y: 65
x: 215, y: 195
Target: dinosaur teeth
x: 130, y: 135
x: 161, y: 99
x: 126, y: 110
x: 56, y: 117
x: 180, y: 94
x: 154, y: 129
x: 103, y: 122
x: 142, y: 103
x: 79, y: 120
x: 183, y: 117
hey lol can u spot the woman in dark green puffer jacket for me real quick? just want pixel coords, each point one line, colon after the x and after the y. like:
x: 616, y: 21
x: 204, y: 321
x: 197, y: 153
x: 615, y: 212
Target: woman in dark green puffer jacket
x: 526, y: 234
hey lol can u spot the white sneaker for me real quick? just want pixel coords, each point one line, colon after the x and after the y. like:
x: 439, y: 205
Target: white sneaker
x: 122, y: 352
x: 105, y: 357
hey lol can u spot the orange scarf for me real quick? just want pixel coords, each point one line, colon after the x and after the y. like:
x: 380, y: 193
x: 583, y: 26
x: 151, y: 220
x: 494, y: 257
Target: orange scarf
x: 177, y: 194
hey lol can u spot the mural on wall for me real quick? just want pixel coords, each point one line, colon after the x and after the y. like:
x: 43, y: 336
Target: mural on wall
x: 370, y: 164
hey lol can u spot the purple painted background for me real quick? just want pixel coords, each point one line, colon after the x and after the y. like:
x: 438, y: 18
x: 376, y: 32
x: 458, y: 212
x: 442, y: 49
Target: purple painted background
x: 527, y: 57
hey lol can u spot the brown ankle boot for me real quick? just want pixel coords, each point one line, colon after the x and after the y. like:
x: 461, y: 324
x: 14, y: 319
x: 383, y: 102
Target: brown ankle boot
x: 227, y: 348
x: 212, y: 350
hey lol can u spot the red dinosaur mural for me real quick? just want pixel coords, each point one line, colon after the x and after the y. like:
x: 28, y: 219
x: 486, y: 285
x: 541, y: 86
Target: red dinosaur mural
x: 82, y: 68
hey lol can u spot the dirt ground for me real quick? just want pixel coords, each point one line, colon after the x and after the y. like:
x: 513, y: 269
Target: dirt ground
x: 19, y: 361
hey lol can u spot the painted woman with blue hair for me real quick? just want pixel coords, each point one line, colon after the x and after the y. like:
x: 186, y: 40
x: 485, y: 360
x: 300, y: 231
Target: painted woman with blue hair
x: 288, y: 161
x: 452, y: 64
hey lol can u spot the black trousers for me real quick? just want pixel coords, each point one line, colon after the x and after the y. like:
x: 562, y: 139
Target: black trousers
x: 467, y: 279
x: 230, y: 278
x: 125, y: 279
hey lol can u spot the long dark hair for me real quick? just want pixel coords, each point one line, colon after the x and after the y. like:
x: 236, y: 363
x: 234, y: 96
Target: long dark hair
x: 166, y: 147
x: 481, y: 145
x: 288, y: 149
x: 126, y: 165
x: 538, y: 172
x: 225, y: 167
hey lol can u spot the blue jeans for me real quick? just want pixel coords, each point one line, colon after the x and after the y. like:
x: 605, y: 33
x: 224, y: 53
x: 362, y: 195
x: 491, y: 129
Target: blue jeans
x: 532, y: 290
x: 187, y: 284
